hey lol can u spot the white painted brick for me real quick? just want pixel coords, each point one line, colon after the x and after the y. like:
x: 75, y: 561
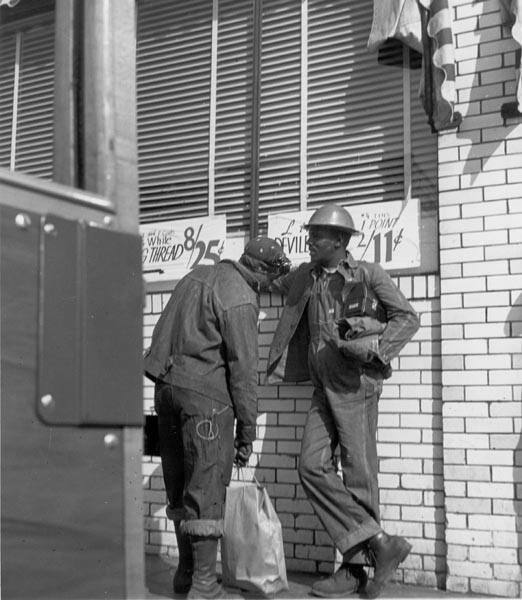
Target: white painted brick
x: 457, y: 584
x: 505, y: 377
x: 504, y: 282
x: 460, y: 225
x: 508, y: 161
x: 484, y: 330
x: 462, y: 346
x: 389, y: 450
x: 453, y: 425
x: 484, y: 268
x: 451, y: 300
x: 468, y: 284
x: 460, y: 196
x: 486, y: 299
x: 469, y: 569
x: 450, y: 183
x: 466, y: 441
x: 455, y: 377
x: 513, y: 190
x: 486, y: 178
x: 490, y: 490
x: 416, y: 450
x: 393, y: 435
x: 484, y: 208
x: 388, y: 480
x: 456, y: 521
x: 486, y: 238
x: 401, y: 497
x: 505, y: 409
x: 455, y: 488
x: 504, y: 345
x: 494, y: 588
x: 492, y: 425
x: 514, y: 146
x: 505, y: 539
x: 468, y: 538
x: 467, y: 472
x: 463, y: 315
x: 488, y: 361
x: 514, y: 176
x: 506, y: 474
x: 489, y: 77
x: 512, y: 250
x: 502, y: 555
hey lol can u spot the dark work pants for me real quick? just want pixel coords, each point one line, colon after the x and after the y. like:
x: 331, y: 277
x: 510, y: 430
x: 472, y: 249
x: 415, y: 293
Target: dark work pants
x: 196, y: 437
x: 343, y: 414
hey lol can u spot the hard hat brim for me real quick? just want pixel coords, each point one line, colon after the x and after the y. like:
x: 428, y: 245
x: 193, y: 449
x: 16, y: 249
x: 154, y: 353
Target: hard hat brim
x: 354, y: 232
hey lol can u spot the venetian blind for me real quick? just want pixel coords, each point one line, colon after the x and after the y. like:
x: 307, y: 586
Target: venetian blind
x: 26, y: 98
x: 280, y: 98
x: 355, y: 110
x: 173, y: 88
x: 233, y: 144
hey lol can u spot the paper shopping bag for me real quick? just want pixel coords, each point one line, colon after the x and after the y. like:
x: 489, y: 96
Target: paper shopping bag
x: 252, y: 553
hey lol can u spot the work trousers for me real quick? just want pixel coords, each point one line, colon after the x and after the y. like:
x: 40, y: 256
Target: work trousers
x: 344, y: 416
x: 196, y: 436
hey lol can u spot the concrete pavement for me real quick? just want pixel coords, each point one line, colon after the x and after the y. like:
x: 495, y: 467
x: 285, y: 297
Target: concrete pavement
x: 160, y: 570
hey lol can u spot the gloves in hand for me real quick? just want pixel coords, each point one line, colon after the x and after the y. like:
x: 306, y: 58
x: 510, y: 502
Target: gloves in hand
x: 243, y: 452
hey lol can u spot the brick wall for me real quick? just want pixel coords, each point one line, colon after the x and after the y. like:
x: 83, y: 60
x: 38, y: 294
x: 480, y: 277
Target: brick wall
x: 480, y: 199
x: 409, y: 440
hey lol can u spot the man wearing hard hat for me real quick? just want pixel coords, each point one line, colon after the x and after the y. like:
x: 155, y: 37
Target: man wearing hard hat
x: 203, y: 359
x: 343, y: 322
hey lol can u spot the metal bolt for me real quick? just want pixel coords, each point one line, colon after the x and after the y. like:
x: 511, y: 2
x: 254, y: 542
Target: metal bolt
x: 47, y: 401
x: 49, y: 228
x: 111, y: 440
x: 22, y: 221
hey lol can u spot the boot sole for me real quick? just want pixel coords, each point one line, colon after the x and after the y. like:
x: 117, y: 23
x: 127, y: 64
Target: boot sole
x: 360, y: 588
x: 373, y: 589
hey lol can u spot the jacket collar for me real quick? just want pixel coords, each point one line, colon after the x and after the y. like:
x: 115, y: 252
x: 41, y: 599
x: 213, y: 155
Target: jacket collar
x: 346, y: 267
x: 247, y: 274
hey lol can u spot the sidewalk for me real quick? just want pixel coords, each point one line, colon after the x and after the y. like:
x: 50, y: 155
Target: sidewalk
x: 160, y: 570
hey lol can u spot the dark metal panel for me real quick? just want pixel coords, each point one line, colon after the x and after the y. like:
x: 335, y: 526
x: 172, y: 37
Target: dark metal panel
x: 60, y: 333
x: 90, y: 314
x: 112, y: 322
x: 62, y: 489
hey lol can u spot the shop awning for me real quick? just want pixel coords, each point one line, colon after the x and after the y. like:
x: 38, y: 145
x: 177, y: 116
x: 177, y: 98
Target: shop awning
x: 511, y: 11
x: 425, y: 26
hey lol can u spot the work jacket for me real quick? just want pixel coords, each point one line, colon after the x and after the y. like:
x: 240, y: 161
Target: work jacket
x: 206, y: 339
x: 288, y: 355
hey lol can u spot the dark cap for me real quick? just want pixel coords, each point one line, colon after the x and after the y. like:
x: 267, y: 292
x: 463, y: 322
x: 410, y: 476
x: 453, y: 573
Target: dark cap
x: 269, y: 252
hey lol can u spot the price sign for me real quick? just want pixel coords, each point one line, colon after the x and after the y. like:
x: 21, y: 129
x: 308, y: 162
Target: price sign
x: 389, y: 233
x: 170, y: 249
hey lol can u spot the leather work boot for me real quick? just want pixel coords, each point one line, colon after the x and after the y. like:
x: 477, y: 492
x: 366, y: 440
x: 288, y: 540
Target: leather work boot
x: 204, y: 580
x: 348, y: 579
x: 183, y: 575
x: 386, y: 552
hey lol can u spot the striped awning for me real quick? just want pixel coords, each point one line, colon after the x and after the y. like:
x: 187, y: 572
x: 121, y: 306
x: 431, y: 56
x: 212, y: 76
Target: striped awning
x: 511, y: 11
x: 425, y: 26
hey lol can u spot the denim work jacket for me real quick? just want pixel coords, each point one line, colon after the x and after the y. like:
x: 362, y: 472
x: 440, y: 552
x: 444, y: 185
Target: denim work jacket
x: 206, y: 339
x: 288, y: 356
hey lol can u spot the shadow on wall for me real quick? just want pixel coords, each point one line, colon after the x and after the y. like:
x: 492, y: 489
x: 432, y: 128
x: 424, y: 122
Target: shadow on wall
x: 513, y: 329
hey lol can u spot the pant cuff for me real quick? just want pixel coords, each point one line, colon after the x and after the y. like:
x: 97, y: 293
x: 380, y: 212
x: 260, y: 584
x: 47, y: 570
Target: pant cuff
x: 364, y: 532
x: 203, y: 527
x: 175, y: 514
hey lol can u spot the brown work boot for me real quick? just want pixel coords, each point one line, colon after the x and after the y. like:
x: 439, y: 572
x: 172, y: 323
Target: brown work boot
x: 386, y: 553
x: 205, y: 584
x: 183, y: 576
x: 348, y: 579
